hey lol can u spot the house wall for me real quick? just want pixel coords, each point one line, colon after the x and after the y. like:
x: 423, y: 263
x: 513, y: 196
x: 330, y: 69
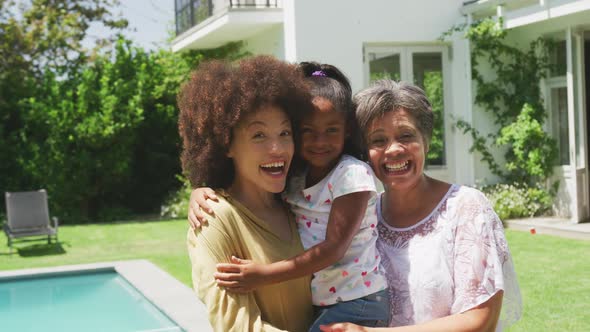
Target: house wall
x: 336, y: 32
x: 269, y: 42
x: 572, y: 197
x: 521, y: 37
x: 483, y: 121
x: 463, y: 170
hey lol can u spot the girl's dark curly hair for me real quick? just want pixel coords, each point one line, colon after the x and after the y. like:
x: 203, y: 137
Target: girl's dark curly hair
x: 217, y: 97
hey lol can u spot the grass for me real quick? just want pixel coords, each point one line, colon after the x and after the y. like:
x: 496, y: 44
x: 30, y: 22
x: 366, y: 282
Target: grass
x: 554, y: 273
x: 554, y: 278
x: 161, y: 242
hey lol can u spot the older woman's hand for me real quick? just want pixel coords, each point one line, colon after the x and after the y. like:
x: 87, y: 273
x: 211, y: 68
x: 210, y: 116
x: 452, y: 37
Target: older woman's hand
x: 344, y: 327
x: 197, y: 204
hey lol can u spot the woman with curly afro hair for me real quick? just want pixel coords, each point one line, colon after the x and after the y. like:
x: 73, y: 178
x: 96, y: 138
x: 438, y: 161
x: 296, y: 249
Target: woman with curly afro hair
x: 236, y: 126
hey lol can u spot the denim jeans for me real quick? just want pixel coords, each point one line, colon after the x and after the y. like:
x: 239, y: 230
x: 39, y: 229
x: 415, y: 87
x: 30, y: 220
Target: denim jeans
x: 371, y: 311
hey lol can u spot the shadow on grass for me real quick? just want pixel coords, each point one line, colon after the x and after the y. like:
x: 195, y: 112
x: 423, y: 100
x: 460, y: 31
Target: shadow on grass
x: 44, y: 249
x: 40, y: 249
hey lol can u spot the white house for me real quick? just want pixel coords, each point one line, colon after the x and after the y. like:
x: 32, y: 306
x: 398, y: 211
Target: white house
x: 370, y: 38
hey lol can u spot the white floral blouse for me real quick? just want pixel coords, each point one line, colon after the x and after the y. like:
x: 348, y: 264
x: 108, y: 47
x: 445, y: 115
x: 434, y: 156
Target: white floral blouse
x: 449, y: 262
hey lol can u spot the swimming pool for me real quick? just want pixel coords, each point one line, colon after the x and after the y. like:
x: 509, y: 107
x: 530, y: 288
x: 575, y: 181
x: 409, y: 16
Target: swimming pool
x: 98, y: 297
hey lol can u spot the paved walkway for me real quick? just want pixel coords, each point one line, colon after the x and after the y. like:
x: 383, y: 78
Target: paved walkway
x: 552, y: 226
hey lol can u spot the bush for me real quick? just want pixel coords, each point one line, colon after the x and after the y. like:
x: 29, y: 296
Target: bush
x: 533, y: 151
x: 518, y: 200
x: 176, y: 206
x: 103, y: 139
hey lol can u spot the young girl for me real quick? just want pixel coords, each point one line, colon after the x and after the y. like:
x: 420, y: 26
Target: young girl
x: 333, y: 198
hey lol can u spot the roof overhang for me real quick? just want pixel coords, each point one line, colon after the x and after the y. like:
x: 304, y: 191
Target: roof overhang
x: 520, y: 13
x: 233, y: 25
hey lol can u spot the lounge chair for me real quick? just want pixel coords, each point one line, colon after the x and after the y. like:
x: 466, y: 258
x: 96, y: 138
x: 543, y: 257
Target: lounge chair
x: 27, y: 215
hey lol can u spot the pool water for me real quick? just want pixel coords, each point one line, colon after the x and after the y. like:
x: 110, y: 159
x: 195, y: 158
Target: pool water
x: 102, y: 301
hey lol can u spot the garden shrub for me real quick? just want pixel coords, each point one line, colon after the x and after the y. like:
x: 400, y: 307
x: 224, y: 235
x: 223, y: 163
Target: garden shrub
x: 512, y: 95
x: 176, y: 205
x: 518, y: 200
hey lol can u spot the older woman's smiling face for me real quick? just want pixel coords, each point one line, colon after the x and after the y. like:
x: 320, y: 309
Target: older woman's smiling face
x: 397, y: 149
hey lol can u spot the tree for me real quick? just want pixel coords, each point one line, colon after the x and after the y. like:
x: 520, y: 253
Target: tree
x: 97, y: 128
x: 36, y: 37
x: 104, y: 141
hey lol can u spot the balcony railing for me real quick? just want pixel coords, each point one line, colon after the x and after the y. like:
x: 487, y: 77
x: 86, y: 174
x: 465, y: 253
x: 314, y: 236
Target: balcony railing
x: 192, y: 12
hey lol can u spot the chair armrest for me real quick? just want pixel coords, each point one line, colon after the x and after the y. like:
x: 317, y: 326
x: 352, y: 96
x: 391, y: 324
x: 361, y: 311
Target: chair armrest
x: 7, y: 229
x: 55, y: 222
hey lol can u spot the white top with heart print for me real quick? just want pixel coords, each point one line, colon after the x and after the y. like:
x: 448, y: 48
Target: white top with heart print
x: 359, y: 272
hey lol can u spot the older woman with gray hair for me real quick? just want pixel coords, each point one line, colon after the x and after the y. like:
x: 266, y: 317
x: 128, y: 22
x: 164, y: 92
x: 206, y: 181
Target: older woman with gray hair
x: 443, y: 247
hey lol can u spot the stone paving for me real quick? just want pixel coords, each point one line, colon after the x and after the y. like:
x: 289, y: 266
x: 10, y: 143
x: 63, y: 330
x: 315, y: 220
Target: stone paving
x: 552, y: 226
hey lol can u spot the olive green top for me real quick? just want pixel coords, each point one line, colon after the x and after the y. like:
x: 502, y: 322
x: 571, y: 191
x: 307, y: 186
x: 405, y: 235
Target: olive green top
x: 234, y: 230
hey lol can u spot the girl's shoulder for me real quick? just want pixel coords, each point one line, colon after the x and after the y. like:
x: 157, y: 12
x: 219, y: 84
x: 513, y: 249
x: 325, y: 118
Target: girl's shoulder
x: 350, y: 175
x: 347, y: 162
x: 348, y: 159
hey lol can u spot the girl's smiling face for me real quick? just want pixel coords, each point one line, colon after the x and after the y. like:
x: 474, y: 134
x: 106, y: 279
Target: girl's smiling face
x: 323, y: 133
x: 397, y: 149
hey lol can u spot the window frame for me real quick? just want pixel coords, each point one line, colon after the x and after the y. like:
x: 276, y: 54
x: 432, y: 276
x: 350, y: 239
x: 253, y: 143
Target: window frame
x: 406, y: 52
x: 551, y: 84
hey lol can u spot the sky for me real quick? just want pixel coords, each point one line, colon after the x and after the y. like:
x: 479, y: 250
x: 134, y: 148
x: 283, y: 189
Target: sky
x: 150, y: 22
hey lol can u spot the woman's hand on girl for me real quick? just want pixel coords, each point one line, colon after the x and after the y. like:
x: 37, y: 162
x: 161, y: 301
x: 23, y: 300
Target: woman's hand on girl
x: 240, y: 276
x: 198, y: 207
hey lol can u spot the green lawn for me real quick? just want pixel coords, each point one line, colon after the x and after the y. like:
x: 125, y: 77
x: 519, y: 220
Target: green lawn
x: 554, y: 273
x: 554, y: 278
x: 161, y: 242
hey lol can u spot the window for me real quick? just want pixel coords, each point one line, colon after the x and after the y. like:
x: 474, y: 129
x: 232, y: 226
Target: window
x: 559, y: 123
x: 384, y: 66
x: 557, y: 102
x: 190, y: 13
x: 183, y: 13
x: 423, y: 66
x: 558, y: 59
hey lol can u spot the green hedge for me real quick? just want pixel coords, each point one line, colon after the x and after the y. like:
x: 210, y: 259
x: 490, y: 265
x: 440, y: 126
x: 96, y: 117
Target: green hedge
x: 103, y: 139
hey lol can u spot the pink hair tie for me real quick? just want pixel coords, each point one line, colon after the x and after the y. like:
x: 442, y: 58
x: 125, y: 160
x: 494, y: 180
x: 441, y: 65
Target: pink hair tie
x: 319, y: 73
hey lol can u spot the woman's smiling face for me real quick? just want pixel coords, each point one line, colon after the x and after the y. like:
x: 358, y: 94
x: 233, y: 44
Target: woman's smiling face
x: 262, y: 149
x: 397, y: 149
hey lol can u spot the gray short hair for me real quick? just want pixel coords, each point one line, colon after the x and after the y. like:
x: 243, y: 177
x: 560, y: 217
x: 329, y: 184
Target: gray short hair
x: 387, y: 95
